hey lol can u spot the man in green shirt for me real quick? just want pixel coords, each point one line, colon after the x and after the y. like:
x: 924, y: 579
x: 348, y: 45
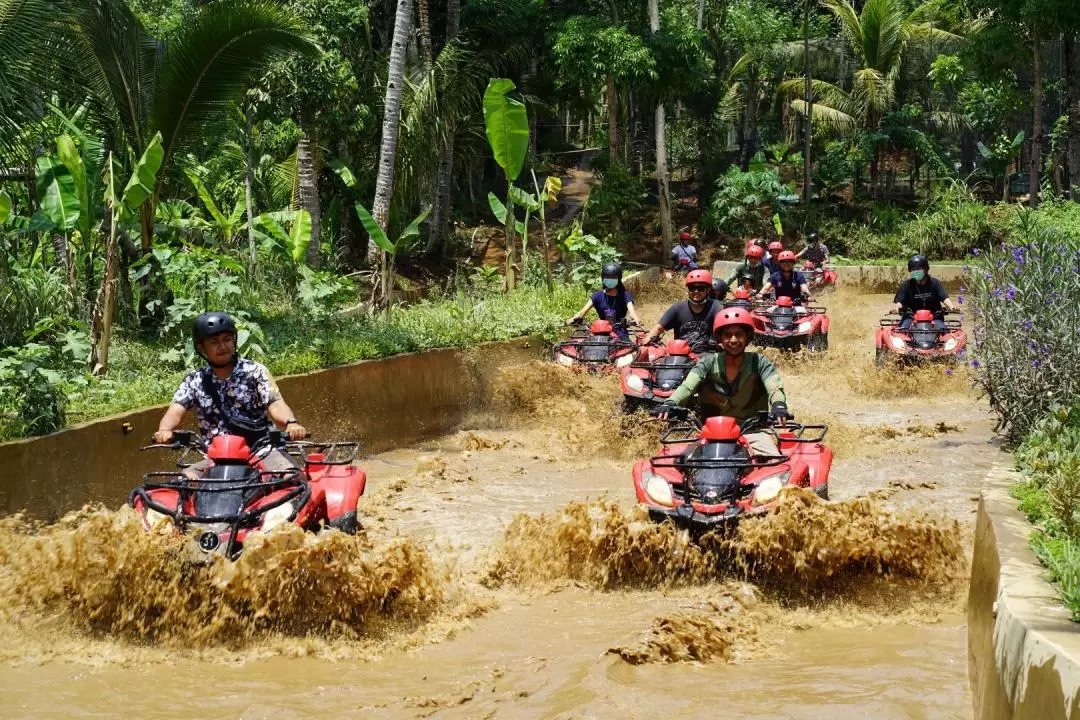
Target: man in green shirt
x: 734, y: 382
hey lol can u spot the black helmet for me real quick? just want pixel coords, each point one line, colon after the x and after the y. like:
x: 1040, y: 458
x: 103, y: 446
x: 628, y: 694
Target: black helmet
x: 209, y: 324
x: 719, y: 287
x: 746, y: 277
x: 812, y: 237
x: 612, y: 270
x: 918, y: 261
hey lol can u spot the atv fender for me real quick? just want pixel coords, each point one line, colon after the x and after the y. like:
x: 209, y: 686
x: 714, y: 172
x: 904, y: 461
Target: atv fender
x: 343, y: 485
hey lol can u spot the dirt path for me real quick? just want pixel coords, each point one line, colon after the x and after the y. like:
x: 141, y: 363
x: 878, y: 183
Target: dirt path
x: 565, y: 640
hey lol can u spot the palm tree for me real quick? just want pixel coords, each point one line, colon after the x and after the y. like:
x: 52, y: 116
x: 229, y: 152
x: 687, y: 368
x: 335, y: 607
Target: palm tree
x: 184, y: 90
x: 384, y: 182
x: 878, y: 37
x: 661, y: 147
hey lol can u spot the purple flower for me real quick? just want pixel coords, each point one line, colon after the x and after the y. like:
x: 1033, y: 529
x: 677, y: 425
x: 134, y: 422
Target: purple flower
x: 1035, y: 364
x: 976, y: 364
x: 986, y: 276
x: 1018, y: 270
x: 1027, y: 325
x: 948, y: 371
x: 1010, y: 294
x: 959, y: 299
x: 976, y: 252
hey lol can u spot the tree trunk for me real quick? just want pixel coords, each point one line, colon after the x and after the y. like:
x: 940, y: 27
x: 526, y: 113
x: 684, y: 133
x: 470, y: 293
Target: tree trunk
x: 700, y: 14
x: 101, y: 320
x: 1037, y: 122
x: 384, y: 182
x: 613, y: 120
x: 307, y: 169
x: 425, y: 34
x: 1072, y: 82
x: 807, y: 192
x: 661, y: 147
x: 750, y: 133
x: 249, y: 206
x: 63, y: 258
x: 444, y: 174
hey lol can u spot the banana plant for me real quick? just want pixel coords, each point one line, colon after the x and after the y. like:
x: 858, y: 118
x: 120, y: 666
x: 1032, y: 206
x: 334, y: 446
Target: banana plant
x: 549, y: 194
x: 223, y: 226
x: 291, y: 244
x: 121, y: 207
x: 5, y: 207
x: 390, y: 248
x: 507, y: 126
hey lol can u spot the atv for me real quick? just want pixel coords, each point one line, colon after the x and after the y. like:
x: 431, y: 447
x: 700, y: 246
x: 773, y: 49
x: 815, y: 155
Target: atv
x: 705, y: 478
x: 786, y: 326
x: 920, y: 341
x: 655, y: 374
x: 237, y: 496
x: 819, y: 277
x: 596, y: 348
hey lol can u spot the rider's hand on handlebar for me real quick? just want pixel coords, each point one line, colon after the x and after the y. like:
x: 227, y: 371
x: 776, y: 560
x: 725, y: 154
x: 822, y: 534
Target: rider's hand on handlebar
x: 661, y: 411
x: 296, y: 431
x: 163, y: 437
x: 780, y: 413
x: 574, y: 321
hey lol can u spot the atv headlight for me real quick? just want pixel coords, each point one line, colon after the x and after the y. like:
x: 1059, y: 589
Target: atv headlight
x: 276, y: 516
x: 898, y: 342
x: 658, y: 489
x: 805, y: 326
x: 565, y: 360
x: 770, y: 487
x: 625, y: 360
x: 951, y: 344
x: 635, y: 383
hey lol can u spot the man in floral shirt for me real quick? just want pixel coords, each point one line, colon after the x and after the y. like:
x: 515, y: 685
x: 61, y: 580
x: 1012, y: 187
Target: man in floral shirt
x: 230, y: 395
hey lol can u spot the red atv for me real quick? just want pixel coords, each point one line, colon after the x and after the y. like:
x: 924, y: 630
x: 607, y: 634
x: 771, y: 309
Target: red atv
x: 819, y: 277
x: 596, y: 348
x: 237, y: 495
x: 705, y: 477
x: 922, y: 340
x: 655, y: 374
x: 786, y: 326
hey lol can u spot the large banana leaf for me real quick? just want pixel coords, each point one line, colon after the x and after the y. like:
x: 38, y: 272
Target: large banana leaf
x: 56, y: 188
x: 144, y: 179
x: 507, y: 126
x: 5, y: 207
x: 207, y: 199
x: 499, y: 211
x: 413, y: 229
x: 294, y: 243
x: 374, y: 231
x: 300, y: 236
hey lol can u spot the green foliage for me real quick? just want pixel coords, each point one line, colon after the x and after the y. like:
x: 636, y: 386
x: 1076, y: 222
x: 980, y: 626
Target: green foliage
x: 30, y: 296
x: 745, y: 202
x: 952, y: 226
x: 1023, y: 297
x: 507, y: 126
x: 584, y: 256
x: 32, y: 401
x: 616, y: 197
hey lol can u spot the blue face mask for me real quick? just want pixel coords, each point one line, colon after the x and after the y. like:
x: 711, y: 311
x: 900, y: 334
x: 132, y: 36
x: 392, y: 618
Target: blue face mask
x: 610, y: 283
x: 918, y: 275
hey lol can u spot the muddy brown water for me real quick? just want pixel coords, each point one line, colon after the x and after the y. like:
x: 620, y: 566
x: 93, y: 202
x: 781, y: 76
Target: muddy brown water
x: 454, y: 605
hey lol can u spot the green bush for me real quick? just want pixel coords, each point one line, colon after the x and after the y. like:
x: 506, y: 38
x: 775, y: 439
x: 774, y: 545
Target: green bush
x: 744, y: 202
x: 1026, y: 320
x: 952, y: 226
x: 616, y: 198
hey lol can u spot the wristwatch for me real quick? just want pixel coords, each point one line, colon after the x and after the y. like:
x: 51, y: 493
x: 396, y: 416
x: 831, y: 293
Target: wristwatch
x: 291, y: 421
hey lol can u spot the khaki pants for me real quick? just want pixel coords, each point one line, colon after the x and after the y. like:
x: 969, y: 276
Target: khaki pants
x: 762, y: 443
x: 276, y: 461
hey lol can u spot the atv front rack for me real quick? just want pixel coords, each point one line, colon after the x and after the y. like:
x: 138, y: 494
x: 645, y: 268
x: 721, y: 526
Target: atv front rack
x: 338, y: 452
x: 892, y: 320
x: 609, y: 345
x: 751, y: 462
x: 186, y: 486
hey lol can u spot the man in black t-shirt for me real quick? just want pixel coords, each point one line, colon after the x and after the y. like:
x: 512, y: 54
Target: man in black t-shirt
x: 922, y: 292
x: 692, y: 320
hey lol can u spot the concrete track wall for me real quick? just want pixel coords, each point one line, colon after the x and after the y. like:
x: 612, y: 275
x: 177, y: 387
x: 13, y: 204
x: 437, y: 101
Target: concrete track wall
x: 1023, y: 650
x: 382, y: 403
x: 871, y: 277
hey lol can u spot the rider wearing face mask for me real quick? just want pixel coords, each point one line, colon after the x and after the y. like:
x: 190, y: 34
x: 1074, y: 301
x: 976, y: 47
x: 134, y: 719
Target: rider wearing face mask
x: 753, y: 265
x: 734, y: 382
x: 613, y: 303
x: 922, y: 292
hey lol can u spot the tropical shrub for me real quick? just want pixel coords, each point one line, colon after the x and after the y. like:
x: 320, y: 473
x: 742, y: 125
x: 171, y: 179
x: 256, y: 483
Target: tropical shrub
x: 615, y: 199
x: 745, y: 202
x: 1023, y: 298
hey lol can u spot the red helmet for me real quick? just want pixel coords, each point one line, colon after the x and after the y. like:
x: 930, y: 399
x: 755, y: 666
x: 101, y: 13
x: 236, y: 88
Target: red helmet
x: 685, y: 237
x: 734, y: 316
x: 924, y: 316
x: 742, y: 294
x: 699, y: 277
x: 776, y: 246
x: 809, y: 265
x: 600, y: 327
x: 720, y: 428
x: 784, y: 301
x: 786, y: 256
x: 678, y: 347
x: 755, y: 252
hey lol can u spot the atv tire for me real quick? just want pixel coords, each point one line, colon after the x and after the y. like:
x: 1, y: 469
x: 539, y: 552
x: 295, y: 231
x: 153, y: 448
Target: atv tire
x: 881, y: 357
x: 822, y: 491
x: 347, y: 523
x: 818, y: 342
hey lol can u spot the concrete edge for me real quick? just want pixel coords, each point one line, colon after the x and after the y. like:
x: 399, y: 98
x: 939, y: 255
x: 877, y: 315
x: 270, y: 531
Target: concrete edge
x: 1024, y: 650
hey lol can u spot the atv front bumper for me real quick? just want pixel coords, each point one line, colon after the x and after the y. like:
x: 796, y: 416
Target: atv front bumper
x: 686, y: 518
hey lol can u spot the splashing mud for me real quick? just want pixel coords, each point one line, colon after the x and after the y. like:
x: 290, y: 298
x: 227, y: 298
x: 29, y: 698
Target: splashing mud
x: 816, y: 548
x: 98, y: 573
